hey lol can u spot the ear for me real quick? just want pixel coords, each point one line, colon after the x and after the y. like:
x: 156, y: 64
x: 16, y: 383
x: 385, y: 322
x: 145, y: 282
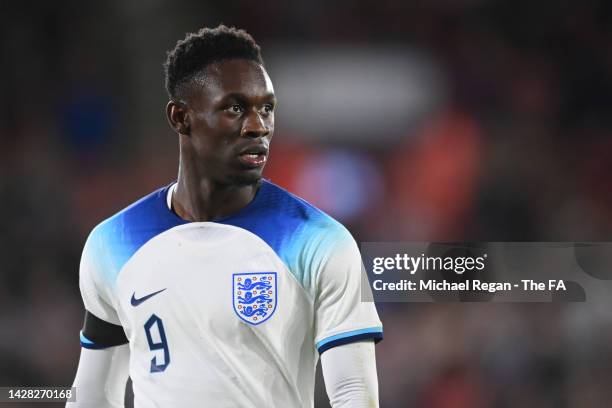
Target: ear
x: 178, y: 117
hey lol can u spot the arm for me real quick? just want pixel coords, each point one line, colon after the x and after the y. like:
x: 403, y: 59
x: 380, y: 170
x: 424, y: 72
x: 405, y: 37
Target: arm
x: 350, y: 376
x: 346, y: 327
x: 103, y: 367
x: 101, y: 378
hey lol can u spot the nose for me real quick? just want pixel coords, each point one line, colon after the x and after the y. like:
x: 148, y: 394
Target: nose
x: 254, y: 126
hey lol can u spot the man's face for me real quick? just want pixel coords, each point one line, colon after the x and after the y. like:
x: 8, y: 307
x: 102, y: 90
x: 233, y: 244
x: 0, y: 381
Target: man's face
x: 231, y: 108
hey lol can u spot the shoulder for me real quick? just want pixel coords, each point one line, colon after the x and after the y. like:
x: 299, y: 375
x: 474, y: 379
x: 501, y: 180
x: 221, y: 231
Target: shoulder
x: 112, y: 242
x: 131, y: 222
x: 289, y: 204
x: 303, y: 236
x: 312, y: 225
x: 283, y: 219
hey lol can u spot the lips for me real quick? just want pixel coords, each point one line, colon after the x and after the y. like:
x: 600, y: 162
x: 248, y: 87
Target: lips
x: 253, y: 156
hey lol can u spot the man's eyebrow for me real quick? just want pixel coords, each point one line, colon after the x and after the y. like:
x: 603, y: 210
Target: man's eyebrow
x: 239, y: 96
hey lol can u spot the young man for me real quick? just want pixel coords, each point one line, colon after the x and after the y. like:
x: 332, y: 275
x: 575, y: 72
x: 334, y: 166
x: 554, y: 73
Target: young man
x: 223, y: 289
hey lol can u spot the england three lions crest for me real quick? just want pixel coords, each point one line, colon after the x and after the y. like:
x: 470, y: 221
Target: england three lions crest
x: 254, y: 296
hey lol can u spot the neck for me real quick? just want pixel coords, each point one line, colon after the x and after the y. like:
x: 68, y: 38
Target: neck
x: 198, y: 198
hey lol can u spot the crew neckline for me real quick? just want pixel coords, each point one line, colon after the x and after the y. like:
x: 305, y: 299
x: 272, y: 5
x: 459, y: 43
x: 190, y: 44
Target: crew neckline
x: 172, y: 188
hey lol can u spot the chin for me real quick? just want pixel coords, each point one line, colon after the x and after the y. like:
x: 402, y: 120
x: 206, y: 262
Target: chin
x: 245, y: 178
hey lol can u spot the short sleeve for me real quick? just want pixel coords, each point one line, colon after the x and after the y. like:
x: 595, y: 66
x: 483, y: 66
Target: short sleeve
x: 95, y: 291
x: 341, y: 316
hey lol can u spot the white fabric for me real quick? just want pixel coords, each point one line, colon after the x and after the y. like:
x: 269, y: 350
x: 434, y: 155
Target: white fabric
x: 337, y: 290
x: 195, y: 339
x: 214, y: 355
x: 339, y: 308
x: 101, y: 378
x: 171, y: 191
x: 97, y: 292
x: 350, y: 376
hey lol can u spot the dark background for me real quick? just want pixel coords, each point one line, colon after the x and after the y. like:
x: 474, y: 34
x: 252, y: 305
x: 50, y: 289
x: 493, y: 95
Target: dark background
x: 432, y: 120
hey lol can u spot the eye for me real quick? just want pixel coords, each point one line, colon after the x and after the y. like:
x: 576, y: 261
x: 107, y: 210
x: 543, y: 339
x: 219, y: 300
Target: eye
x: 235, y: 109
x: 268, y: 108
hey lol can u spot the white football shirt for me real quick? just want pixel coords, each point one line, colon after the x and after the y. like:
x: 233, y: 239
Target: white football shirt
x: 231, y: 313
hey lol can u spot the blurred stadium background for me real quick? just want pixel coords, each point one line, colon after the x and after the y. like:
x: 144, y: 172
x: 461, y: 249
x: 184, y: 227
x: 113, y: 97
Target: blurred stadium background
x: 432, y: 120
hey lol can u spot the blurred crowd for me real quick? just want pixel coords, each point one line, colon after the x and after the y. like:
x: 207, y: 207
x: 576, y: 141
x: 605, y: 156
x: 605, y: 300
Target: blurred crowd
x: 519, y: 149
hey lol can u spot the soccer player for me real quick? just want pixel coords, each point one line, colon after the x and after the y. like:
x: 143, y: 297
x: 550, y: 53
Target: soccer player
x: 222, y: 289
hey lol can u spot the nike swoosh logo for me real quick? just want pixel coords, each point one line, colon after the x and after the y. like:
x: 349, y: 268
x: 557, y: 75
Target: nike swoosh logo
x: 136, y: 302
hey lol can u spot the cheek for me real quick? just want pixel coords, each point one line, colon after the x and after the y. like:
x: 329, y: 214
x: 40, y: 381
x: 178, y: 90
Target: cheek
x: 226, y: 127
x: 270, y: 124
x: 213, y: 135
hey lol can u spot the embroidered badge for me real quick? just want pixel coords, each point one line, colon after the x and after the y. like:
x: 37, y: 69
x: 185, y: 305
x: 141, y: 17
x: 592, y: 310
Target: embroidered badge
x: 254, y: 296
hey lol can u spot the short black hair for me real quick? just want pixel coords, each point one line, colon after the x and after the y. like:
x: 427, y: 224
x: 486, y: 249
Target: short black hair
x: 202, y: 48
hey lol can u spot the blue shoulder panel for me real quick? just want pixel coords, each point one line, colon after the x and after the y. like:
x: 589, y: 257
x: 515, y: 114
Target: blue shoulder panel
x: 299, y: 233
x: 115, y: 240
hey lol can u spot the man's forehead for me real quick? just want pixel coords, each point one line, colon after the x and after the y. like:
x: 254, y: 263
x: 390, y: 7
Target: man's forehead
x: 234, y: 76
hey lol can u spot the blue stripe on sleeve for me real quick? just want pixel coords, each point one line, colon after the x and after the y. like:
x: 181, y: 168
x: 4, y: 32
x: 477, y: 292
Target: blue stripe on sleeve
x: 374, y: 333
x: 88, y: 344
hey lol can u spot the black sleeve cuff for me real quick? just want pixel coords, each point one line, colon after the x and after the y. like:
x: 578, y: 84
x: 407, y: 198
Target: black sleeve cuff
x: 99, y: 334
x: 375, y: 334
